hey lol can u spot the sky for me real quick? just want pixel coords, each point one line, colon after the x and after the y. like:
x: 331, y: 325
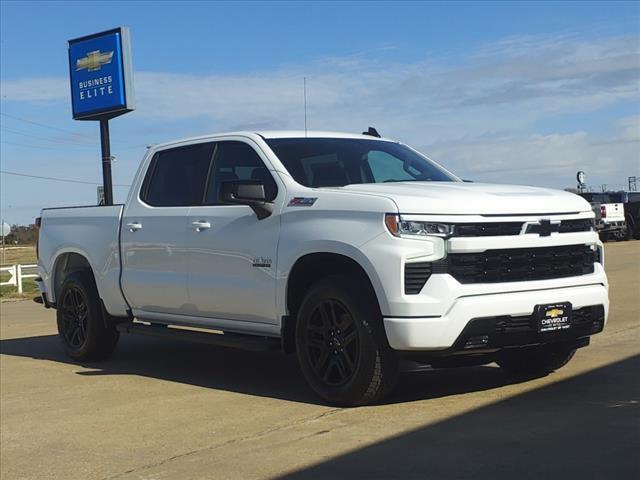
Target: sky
x: 525, y: 93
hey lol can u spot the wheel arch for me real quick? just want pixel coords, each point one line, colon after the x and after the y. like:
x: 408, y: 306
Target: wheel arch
x: 66, y: 263
x: 308, y: 269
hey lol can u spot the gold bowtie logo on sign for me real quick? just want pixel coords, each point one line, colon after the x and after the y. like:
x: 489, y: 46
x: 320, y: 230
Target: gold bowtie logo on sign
x: 94, y: 61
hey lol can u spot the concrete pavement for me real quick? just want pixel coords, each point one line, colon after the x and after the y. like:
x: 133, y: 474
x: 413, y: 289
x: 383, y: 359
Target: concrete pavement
x: 166, y: 409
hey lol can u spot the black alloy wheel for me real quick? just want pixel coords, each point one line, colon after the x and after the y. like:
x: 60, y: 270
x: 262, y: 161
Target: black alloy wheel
x: 75, y: 315
x: 332, y: 343
x: 87, y: 331
x: 341, y: 344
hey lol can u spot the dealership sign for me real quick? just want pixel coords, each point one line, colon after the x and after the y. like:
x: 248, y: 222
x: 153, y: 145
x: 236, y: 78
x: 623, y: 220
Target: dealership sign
x: 101, y: 75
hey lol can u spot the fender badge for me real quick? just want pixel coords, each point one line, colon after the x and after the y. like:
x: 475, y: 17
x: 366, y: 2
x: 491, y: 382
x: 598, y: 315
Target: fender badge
x: 261, y: 262
x: 302, y: 201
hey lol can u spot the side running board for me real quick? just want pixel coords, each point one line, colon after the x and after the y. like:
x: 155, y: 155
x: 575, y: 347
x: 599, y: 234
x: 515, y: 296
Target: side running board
x: 233, y: 340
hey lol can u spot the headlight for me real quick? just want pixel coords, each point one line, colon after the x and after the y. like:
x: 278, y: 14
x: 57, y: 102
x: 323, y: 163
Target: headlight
x: 412, y: 229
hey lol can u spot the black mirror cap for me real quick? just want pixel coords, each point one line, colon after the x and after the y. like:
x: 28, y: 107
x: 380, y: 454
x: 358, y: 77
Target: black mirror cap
x: 247, y: 192
x: 241, y: 191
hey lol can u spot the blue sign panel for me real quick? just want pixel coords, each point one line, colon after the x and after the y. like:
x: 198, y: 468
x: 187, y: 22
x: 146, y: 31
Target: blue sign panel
x: 100, y: 73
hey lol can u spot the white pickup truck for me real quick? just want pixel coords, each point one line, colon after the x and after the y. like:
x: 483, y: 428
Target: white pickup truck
x: 355, y: 252
x: 610, y: 215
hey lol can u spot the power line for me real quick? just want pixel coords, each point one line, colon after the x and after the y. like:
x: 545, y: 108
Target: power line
x: 47, y: 139
x: 56, y: 179
x: 39, y: 147
x: 132, y: 147
x: 82, y: 135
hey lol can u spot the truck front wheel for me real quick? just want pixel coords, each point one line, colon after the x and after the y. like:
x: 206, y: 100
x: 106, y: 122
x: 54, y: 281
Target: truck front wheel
x: 538, y: 360
x: 83, y: 329
x: 341, y: 344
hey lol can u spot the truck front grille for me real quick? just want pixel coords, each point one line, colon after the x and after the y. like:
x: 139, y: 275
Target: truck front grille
x: 487, y: 229
x: 579, y: 225
x: 498, y: 229
x: 518, y: 264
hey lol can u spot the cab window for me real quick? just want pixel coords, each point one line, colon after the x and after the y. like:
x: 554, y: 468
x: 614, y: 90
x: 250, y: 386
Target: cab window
x: 177, y: 177
x: 237, y: 161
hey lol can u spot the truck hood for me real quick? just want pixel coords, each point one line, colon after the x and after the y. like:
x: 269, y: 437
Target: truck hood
x: 458, y: 198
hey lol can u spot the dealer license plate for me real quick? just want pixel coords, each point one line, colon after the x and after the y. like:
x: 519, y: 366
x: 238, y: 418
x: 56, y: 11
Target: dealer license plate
x: 553, y: 318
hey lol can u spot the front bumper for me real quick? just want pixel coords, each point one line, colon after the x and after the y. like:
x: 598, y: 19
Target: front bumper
x: 446, y: 331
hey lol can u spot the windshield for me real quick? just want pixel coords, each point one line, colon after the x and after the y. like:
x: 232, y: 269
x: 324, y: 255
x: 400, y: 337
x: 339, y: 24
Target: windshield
x: 336, y: 162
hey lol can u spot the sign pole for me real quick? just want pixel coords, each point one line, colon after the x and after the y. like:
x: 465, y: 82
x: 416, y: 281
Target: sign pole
x: 105, y: 145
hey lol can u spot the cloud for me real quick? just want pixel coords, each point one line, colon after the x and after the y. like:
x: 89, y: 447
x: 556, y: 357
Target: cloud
x: 35, y: 90
x: 549, y: 160
x: 480, y: 111
x: 521, y: 85
x: 539, y: 74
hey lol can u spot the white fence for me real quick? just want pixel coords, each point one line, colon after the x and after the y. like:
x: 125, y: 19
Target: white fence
x: 18, y: 274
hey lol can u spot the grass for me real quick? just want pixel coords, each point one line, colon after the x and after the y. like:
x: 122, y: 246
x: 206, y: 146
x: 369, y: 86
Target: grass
x: 25, y: 255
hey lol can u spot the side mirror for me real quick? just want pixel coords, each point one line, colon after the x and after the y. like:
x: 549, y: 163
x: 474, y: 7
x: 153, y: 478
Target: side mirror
x: 247, y: 192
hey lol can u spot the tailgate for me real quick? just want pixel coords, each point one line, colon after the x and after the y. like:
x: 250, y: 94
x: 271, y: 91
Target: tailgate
x: 615, y: 212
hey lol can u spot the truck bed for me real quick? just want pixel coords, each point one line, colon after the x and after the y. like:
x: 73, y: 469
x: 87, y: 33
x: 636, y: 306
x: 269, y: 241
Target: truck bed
x: 92, y: 232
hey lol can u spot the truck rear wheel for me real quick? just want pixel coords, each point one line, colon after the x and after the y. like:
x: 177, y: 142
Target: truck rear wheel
x: 341, y: 344
x: 83, y: 329
x: 535, y: 360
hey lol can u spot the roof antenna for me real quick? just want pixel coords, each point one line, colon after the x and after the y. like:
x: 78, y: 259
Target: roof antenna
x: 305, y: 105
x: 372, y: 132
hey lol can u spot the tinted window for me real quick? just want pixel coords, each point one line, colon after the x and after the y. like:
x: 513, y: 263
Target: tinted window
x: 238, y: 161
x: 601, y: 199
x: 335, y: 162
x: 385, y: 167
x: 178, y: 176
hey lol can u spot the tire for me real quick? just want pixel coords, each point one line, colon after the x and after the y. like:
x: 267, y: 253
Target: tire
x: 534, y: 360
x: 86, y: 331
x: 341, y: 344
x: 631, y: 227
x: 604, y: 237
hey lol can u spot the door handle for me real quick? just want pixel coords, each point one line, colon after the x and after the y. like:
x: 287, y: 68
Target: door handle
x: 134, y: 226
x: 200, y: 225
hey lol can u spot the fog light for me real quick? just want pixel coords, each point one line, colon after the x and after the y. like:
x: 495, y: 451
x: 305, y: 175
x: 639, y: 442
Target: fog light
x: 477, y: 342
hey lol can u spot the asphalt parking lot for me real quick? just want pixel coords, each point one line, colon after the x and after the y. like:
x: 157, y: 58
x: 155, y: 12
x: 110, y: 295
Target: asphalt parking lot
x: 167, y: 410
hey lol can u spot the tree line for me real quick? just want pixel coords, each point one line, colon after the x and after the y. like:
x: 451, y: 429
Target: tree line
x: 22, y: 235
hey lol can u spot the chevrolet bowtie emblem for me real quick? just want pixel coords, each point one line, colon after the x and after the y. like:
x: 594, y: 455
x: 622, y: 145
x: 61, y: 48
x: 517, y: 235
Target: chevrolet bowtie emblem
x: 94, y: 61
x: 555, y: 312
x: 545, y: 228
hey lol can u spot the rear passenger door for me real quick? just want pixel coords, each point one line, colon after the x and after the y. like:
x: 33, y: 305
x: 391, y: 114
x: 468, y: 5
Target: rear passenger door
x: 232, y: 254
x: 156, y: 229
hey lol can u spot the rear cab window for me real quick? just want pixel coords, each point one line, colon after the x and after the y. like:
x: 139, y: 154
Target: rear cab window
x: 177, y: 177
